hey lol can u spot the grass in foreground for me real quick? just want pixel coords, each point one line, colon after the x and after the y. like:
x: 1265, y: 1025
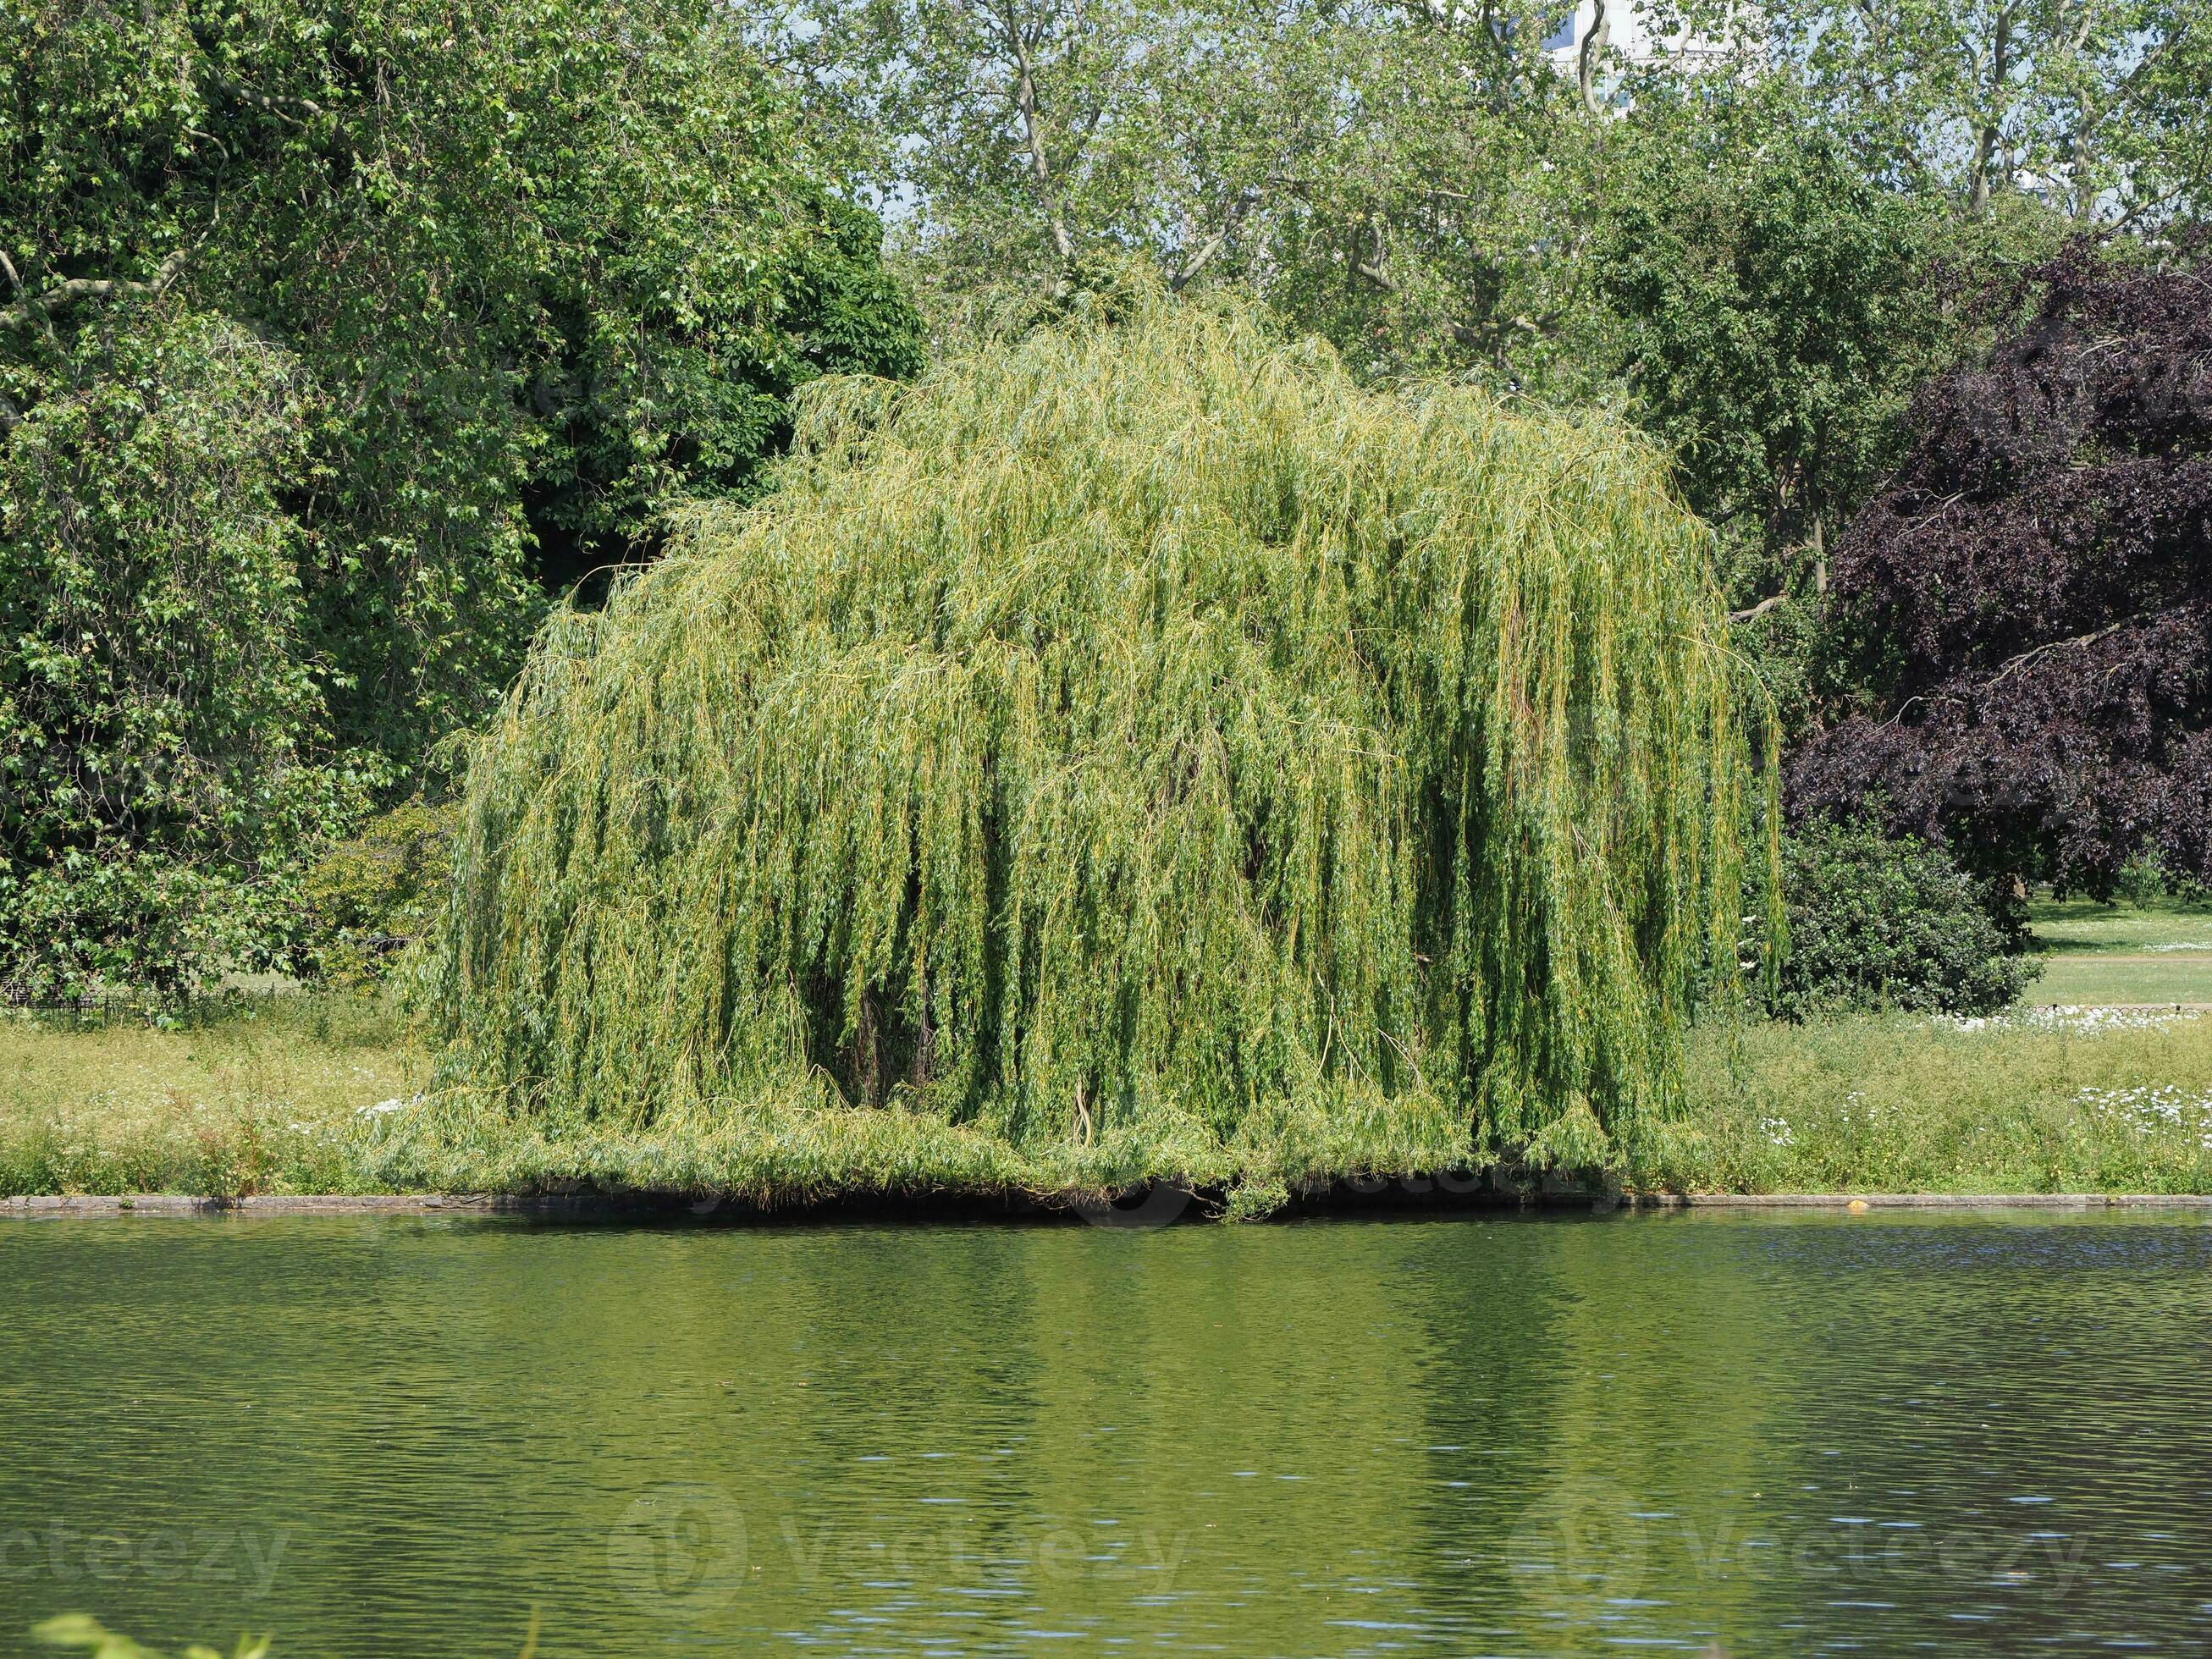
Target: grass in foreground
x: 264, y: 1101
x: 274, y: 1103
x: 2036, y: 1102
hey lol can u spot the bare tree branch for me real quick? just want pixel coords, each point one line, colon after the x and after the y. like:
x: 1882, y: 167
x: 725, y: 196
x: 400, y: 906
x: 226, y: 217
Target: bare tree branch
x: 38, y: 307
x: 1025, y: 101
x: 2013, y: 665
x: 1375, y: 271
x: 282, y: 108
x: 1203, y: 255
x: 1592, y: 53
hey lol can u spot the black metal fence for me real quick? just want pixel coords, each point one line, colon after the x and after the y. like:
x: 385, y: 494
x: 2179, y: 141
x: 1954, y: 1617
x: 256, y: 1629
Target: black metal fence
x: 139, y: 1005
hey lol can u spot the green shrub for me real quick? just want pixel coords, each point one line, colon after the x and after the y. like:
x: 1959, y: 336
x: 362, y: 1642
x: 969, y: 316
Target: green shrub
x: 372, y: 896
x: 164, y: 765
x: 75, y: 1630
x: 1876, y: 923
x: 2146, y: 879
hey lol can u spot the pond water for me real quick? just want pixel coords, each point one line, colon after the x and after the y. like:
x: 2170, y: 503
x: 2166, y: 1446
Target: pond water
x: 1743, y: 1435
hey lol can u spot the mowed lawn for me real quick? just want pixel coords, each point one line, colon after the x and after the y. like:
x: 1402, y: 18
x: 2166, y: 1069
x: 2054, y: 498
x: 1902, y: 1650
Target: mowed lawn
x: 2118, y: 954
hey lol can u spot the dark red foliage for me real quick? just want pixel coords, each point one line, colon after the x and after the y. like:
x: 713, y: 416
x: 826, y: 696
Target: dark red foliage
x: 2028, y: 603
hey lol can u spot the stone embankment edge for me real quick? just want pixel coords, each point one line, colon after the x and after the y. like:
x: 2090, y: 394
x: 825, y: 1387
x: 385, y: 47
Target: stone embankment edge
x: 1927, y: 1200
x: 617, y: 1205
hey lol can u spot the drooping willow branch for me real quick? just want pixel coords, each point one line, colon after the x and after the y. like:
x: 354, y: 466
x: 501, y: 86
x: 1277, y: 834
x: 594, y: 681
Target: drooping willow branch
x: 1134, y: 734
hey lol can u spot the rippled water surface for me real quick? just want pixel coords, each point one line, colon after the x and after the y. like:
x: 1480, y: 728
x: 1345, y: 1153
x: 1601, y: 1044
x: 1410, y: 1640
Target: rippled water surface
x: 1455, y: 1436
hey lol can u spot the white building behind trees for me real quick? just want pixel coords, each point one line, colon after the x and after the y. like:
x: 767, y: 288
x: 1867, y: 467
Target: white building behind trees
x: 1643, y: 36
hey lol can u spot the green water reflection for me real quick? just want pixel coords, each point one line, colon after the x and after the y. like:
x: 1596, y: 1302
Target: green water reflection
x: 1452, y: 1436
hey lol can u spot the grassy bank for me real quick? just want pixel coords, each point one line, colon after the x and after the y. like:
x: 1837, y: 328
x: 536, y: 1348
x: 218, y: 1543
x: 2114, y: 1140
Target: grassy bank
x: 277, y: 1101
x: 2092, y: 1101
x: 265, y: 1100
x: 2159, y: 952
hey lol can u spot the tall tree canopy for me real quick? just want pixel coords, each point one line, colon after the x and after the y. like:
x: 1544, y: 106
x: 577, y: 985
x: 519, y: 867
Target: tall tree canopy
x: 550, y: 259
x: 2096, y: 106
x: 484, y: 286
x: 1373, y: 171
x: 1765, y: 306
x: 158, y: 723
x: 2030, y: 601
x: 1495, y: 192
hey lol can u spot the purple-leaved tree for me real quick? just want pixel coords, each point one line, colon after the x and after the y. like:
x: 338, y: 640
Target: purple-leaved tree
x: 2027, y: 607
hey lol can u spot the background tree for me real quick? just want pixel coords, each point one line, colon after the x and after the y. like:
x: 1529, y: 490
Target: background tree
x: 2029, y: 606
x: 1325, y: 155
x: 1770, y: 307
x: 534, y: 269
x: 1486, y: 192
x: 1765, y: 307
x: 2095, y: 107
x: 551, y: 260
x: 157, y: 720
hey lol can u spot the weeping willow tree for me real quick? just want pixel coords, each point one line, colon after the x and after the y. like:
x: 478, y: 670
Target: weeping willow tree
x: 1132, y: 750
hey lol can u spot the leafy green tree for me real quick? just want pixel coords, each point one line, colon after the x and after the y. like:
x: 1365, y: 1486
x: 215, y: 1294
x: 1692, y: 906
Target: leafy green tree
x: 1440, y: 190
x: 2096, y: 106
x: 1769, y: 307
x: 553, y: 262
x: 535, y: 269
x: 157, y: 722
x: 1371, y: 170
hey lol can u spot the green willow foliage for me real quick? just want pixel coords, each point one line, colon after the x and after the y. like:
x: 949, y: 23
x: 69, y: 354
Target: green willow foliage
x: 1136, y: 746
